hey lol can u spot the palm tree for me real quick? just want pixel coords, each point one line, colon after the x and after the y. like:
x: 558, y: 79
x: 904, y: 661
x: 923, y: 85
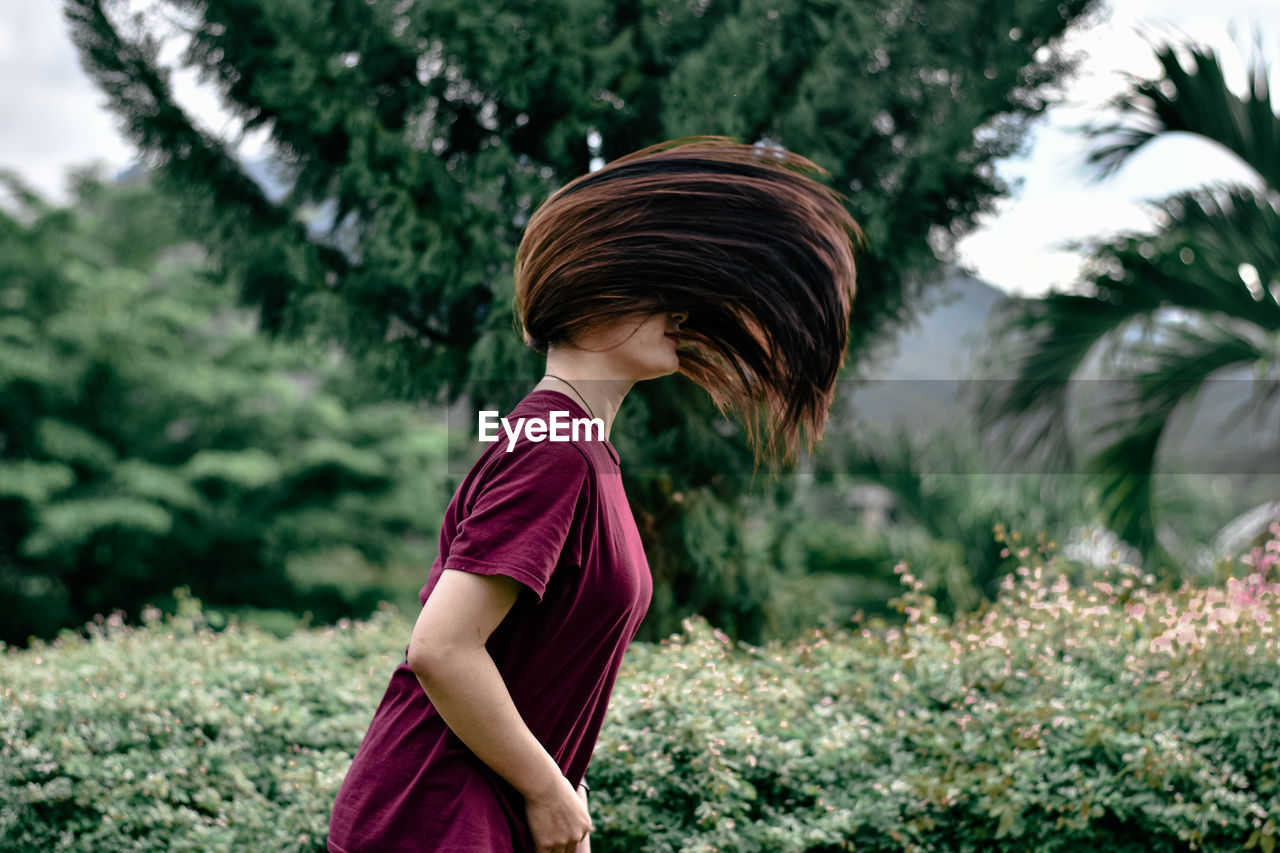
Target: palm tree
x: 1203, y: 289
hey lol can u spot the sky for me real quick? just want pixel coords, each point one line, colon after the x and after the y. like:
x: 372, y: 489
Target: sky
x: 52, y: 119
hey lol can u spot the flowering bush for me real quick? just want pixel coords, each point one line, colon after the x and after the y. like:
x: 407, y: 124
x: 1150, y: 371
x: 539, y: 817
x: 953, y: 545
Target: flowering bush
x: 1109, y: 715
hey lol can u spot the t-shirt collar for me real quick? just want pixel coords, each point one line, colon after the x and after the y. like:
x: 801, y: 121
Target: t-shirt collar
x: 613, y: 452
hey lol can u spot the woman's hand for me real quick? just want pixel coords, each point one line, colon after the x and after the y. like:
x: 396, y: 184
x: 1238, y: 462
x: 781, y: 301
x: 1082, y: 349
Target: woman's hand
x: 558, y: 819
x: 447, y: 653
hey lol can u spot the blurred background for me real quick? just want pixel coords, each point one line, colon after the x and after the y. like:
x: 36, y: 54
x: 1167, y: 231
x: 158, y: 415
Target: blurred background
x: 254, y: 255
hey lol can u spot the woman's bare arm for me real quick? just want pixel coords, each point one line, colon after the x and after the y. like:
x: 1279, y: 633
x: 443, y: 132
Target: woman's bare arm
x: 447, y: 653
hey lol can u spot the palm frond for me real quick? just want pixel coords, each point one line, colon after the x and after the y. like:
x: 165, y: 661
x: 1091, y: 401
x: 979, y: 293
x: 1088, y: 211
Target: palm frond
x: 1194, y: 98
x: 1175, y: 370
x: 1210, y: 234
x: 1192, y: 263
x: 1042, y: 344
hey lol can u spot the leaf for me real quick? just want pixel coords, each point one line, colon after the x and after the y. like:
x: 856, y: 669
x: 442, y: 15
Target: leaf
x: 69, y: 443
x: 33, y: 482
x: 1194, y: 98
x: 331, y: 453
x: 69, y: 524
x: 248, y: 469
x: 155, y: 482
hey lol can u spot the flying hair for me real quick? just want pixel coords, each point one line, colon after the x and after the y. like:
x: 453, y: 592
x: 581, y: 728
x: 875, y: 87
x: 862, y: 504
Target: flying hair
x: 742, y: 238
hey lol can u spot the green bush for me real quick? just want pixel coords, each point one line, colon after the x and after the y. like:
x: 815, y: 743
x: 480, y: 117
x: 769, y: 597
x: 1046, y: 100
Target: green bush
x: 150, y: 436
x: 1109, y: 715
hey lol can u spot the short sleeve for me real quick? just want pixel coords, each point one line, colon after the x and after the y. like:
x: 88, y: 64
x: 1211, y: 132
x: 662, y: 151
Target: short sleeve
x: 522, y: 514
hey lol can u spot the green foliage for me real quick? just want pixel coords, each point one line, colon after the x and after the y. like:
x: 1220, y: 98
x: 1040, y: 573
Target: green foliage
x: 1106, y: 714
x: 434, y: 129
x: 405, y: 116
x: 950, y: 498
x: 149, y: 437
x: 209, y: 741
x: 1169, y: 310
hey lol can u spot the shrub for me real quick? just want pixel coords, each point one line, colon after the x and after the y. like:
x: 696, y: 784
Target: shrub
x: 170, y: 736
x: 149, y: 436
x: 1109, y: 715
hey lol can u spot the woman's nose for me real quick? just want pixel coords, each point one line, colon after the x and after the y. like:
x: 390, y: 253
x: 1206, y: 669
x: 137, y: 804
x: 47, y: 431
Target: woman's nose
x: 680, y: 317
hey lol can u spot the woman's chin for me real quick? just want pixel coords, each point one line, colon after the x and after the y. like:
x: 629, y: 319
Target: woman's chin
x: 657, y: 372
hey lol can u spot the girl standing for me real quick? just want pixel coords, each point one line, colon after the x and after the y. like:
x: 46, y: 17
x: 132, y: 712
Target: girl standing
x: 725, y: 262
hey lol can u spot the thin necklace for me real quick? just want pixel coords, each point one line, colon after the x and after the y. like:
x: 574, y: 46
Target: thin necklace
x: 575, y: 390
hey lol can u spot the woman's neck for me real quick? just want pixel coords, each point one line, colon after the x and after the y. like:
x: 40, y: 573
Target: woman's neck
x: 587, y: 384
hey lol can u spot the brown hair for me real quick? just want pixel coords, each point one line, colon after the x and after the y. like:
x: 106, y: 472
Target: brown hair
x: 741, y: 238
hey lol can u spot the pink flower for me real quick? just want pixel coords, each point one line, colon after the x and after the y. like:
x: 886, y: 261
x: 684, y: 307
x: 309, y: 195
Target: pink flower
x: 1223, y: 616
x: 1241, y: 594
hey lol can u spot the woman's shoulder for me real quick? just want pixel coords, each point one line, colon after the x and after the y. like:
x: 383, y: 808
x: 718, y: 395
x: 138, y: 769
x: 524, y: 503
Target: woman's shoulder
x: 530, y: 464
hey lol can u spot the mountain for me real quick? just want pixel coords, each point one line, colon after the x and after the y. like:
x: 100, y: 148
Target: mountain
x: 918, y: 378
x: 939, y: 345
x: 917, y: 382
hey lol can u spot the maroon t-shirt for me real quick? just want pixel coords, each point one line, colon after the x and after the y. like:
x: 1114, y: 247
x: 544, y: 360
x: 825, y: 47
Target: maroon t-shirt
x: 553, y: 516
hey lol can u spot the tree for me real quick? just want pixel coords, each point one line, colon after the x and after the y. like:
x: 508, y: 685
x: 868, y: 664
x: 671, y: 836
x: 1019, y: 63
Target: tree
x: 150, y: 438
x: 434, y: 129
x: 1203, y: 289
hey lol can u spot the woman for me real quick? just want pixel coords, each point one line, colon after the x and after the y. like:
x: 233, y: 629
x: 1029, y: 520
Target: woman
x: 728, y: 263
